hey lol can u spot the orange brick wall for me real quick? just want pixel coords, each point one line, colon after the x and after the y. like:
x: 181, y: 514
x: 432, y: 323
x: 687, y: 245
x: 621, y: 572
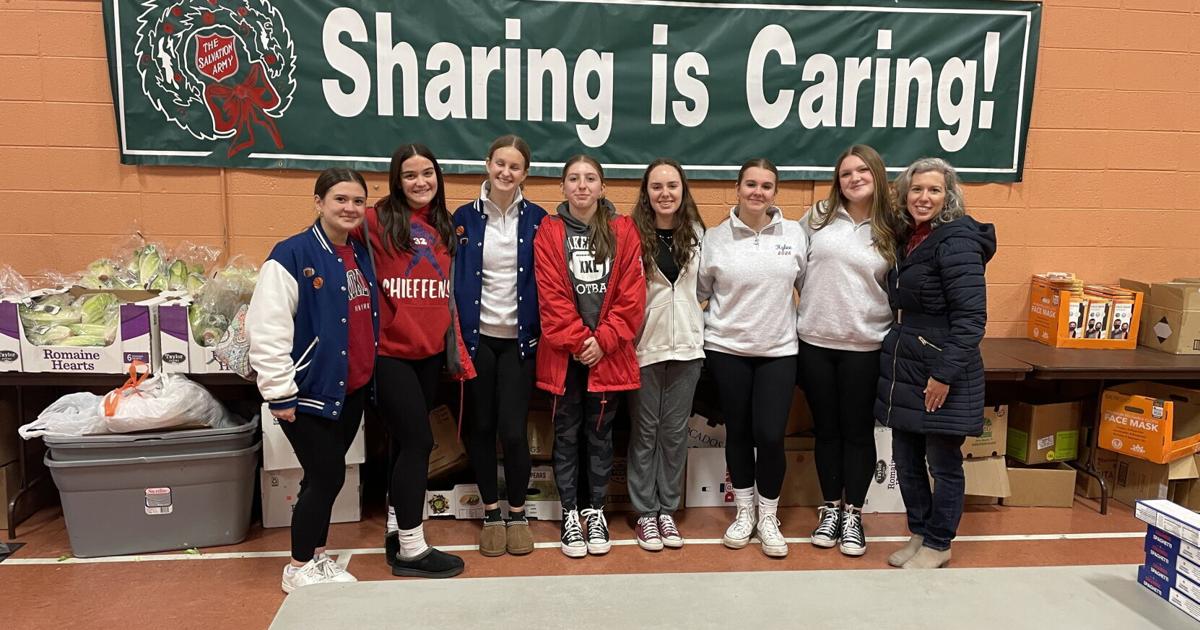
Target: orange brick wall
x: 1112, y: 180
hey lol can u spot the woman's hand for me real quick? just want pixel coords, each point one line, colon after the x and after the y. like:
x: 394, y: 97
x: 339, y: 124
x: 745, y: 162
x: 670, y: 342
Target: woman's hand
x: 591, y: 353
x: 935, y: 395
x: 287, y: 415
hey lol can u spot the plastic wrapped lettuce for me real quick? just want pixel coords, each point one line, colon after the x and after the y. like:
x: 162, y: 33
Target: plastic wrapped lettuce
x: 65, y: 320
x: 219, y: 300
x: 12, y: 284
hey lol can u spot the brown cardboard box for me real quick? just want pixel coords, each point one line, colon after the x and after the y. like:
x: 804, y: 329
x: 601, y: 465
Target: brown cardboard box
x: 1040, y: 434
x: 618, y: 486
x: 1152, y: 421
x: 448, y: 454
x: 1106, y: 465
x: 994, y: 439
x: 10, y: 479
x: 539, y: 425
x: 800, y: 484
x: 1052, y: 485
x: 1140, y: 479
x: 986, y: 477
x: 1171, y: 315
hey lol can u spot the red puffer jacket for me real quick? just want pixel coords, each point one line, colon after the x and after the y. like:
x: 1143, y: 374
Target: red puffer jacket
x: 563, y: 331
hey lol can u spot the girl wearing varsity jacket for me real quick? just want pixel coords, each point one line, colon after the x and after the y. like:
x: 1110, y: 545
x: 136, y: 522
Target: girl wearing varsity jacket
x: 750, y: 267
x: 592, y: 298
x: 670, y: 351
x: 411, y: 238
x: 497, y: 299
x: 313, y: 323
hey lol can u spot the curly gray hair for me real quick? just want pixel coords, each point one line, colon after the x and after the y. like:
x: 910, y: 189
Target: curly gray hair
x: 954, y: 206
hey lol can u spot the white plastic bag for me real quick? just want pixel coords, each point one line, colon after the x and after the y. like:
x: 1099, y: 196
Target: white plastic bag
x: 72, y: 415
x: 163, y: 401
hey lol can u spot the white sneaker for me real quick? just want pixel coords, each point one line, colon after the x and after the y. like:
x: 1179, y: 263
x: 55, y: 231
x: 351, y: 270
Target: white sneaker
x: 598, y: 542
x: 311, y: 573
x: 773, y: 542
x: 739, y: 531
x: 573, y: 543
x: 333, y: 571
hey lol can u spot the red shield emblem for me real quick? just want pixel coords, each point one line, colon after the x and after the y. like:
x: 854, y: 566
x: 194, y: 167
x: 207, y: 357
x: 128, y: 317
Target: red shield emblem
x: 216, y: 56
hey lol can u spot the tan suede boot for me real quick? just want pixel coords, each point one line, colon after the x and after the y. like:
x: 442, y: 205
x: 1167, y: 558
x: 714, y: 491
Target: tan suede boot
x: 905, y: 553
x: 492, y: 539
x: 927, y: 558
x: 520, y: 538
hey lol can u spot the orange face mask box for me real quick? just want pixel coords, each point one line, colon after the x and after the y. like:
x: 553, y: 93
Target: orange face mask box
x: 1051, y: 319
x: 1150, y: 421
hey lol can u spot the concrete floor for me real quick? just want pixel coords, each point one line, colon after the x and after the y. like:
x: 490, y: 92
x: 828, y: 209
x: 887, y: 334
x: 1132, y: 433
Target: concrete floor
x: 1093, y: 597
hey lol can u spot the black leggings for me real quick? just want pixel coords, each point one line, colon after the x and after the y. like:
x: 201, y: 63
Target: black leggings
x: 756, y: 394
x: 840, y: 386
x: 320, y: 446
x: 405, y: 390
x: 499, y: 398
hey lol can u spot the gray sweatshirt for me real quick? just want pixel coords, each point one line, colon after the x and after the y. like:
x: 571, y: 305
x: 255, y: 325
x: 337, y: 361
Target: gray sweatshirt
x: 844, y: 304
x: 588, y: 275
x: 750, y: 279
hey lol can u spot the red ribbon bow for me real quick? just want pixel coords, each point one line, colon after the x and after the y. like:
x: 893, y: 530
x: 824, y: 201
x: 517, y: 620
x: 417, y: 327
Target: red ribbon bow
x: 242, y: 106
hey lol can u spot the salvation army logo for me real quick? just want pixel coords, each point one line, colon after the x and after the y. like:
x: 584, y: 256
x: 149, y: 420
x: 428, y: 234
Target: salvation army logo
x: 219, y: 69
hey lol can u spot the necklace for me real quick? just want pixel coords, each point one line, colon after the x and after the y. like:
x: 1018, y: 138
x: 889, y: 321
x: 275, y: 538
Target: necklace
x: 667, y: 238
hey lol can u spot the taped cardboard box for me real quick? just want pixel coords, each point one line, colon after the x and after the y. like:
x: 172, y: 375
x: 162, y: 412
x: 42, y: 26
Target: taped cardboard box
x: 994, y: 439
x: 1138, y: 479
x: 707, y: 479
x: 281, y: 490
x: 1171, y: 318
x: 1052, y: 485
x: 986, y: 477
x: 1106, y: 466
x: 1041, y: 434
x: 448, y: 453
x: 541, y: 498
x: 1151, y: 421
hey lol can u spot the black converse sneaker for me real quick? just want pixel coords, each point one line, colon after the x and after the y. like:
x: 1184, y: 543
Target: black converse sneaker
x: 829, y: 528
x: 597, y: 531
x: 854, y: 541
x: 573, y: 543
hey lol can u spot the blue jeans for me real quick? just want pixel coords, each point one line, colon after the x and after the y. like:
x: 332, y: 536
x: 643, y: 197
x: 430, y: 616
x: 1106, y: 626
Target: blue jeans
x: 934, y: 513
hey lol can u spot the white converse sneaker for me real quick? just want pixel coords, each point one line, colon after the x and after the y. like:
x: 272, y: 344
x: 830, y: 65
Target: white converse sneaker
x: 333, y: 570
x: 829, y: 527
x: 739, y: 531
x: 597, y: 531
x: 573, y: 543
x: 854, y: 541
x: 310, y: 573
x: 773, y: 542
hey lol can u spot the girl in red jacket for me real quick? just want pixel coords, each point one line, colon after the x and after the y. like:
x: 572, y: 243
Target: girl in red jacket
x: 591, y: 296
x: 412, y: 242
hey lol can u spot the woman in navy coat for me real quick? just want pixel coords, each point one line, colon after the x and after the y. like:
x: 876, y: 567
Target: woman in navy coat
x: 931, y: 384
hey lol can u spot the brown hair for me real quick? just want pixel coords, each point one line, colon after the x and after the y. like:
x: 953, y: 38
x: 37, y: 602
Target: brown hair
x: 601, y: 239
x: 331, y: 177
x: 685, y: 240
x: 762, y: 163
x: 883, y: 204
x: 395, y: 213
x: 514, y: 141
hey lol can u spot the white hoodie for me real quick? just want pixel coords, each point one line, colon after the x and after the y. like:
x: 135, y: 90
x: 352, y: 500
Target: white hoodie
x: 674, y: 326
x: 750, y: 279
x: 845, y: 304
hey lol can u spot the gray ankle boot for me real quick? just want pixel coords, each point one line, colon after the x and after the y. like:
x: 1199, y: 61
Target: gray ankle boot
x: 906, y: 552
x: 927, y: 558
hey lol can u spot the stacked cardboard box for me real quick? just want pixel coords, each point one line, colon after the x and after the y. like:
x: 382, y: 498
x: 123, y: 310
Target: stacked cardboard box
x: 1171, y: 318
x: 281, y: 475
x: 1172, y: 565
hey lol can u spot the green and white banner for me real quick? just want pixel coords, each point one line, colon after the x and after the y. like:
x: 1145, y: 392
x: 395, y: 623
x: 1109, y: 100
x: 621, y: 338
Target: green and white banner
x: 316, y: 83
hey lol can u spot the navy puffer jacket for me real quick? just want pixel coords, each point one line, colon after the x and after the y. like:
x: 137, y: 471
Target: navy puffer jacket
x: 939, y: 297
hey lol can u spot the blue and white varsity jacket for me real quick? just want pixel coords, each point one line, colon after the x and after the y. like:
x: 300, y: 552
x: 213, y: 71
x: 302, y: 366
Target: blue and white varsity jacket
x: 298, y: 323
x: 470, y: 223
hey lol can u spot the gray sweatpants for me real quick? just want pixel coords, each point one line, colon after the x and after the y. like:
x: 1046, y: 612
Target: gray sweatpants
x: 658, y: 440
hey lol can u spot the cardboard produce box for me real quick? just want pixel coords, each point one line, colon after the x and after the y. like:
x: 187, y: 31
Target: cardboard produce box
x: 1040, y: 434
x: 10, y: 338
x: 707, y: 479
x: 705, y: 433
x: 994, y: 439
x: 136, y: 340
x: 448, y: 453
x: 281, y: 490
x: 801, y: 488
x: 541, y: 498
x: 883, y: 496
x: 439, y: 503
x: 1138, y: 479
x: 1171, y: 318
x: 1153, y: 421
x: 1052, y: 485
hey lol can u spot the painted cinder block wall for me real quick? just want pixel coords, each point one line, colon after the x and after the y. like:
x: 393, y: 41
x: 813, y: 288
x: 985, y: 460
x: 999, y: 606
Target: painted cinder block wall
x: 1112, y: 180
